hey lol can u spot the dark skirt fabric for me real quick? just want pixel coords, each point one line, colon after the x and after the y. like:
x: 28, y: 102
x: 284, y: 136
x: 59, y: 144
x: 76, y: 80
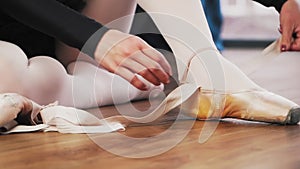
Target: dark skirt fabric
x: 31, y: 41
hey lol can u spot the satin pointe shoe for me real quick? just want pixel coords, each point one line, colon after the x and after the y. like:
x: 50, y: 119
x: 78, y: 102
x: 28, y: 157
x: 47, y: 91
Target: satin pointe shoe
x: 18, y: 108
x: 20, y: 114
x: 253, y: 105
x: 226, y: 92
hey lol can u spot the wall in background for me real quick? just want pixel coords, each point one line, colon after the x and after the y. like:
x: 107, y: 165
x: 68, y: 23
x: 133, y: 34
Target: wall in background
x: 249, y: 21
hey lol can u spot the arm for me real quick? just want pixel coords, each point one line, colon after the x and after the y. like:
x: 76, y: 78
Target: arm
x: 55, y: 19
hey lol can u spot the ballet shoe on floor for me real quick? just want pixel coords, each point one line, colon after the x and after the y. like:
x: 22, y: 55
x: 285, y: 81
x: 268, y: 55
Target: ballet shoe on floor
x: 18, y: 108
x: 254, y: 105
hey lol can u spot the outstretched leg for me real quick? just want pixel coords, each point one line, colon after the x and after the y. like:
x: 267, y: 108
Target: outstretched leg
x: 225, y: 90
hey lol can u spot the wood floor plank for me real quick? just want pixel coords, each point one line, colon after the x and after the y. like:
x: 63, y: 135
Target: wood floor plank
x: 231, y: 146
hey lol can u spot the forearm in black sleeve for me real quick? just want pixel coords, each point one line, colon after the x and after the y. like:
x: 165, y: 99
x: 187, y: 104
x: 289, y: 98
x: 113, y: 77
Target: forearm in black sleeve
x: 275, y: 3
x: 57, y: 20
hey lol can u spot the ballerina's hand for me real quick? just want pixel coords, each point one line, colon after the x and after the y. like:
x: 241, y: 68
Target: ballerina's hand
x: 290, y: 25
x: 127, y: 55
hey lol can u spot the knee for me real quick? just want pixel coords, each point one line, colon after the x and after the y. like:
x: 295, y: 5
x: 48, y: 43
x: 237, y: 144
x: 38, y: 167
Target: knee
x: 40, y: 78
x: 13, y: 63
x: 45, y: 79
x: 12, y: 54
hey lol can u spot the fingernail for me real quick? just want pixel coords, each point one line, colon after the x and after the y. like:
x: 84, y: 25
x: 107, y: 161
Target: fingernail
x: 157, y: 84
x: 171, y: 73
x: 283, y: 48
x: 168, y: 81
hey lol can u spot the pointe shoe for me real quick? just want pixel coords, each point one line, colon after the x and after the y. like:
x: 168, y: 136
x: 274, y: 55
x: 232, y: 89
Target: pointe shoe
x: 18, y: 108
x: 253, y: 105
x: 234, y: 94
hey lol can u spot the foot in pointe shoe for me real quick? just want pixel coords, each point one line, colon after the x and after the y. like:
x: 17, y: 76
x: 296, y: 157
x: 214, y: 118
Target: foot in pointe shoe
x: 19, y: 108
x: 256, y: 105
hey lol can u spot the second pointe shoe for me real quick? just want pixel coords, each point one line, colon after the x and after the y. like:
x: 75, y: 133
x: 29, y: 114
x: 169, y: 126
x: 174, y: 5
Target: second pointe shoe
x: 18, y: 108
x: 255, y: 105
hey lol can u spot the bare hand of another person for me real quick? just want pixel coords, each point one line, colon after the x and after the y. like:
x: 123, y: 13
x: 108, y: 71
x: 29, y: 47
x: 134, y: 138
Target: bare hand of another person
x: 290, y: 25
x: 127, y: 55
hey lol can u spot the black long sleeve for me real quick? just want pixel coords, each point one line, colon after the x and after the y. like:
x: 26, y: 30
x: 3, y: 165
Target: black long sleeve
x: 274, y: 3
x: 57, y: 20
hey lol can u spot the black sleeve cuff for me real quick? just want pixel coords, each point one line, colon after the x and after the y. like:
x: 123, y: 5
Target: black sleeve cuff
x: 277, y: 4
x: 90, y: 46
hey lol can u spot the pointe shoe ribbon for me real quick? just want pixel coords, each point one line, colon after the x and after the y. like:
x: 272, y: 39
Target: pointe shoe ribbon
x: 268, y: 54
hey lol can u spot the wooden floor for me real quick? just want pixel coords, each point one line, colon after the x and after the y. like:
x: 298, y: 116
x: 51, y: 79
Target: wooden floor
x: 232, y: 145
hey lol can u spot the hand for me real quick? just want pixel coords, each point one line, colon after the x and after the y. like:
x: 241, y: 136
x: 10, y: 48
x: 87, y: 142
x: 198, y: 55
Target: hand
x: 127, y: 55
x: 290, y: 25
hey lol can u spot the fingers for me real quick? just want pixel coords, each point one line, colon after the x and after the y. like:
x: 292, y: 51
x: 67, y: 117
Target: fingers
x: 290, y: 25
x: 127, y: 55
x: 140, y: 64
x: 287, y: 35
x: 130, y: 77
x: 156, y: 56
x: 141, y: 70
x: 152, y: 66
x: 159, y: 58
x: 292, y: 38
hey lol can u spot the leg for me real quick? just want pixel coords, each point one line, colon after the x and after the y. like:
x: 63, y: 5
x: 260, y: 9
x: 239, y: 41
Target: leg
x: 223, y: 85
x: 45, y: 80
x: 105, y: 12
x: 31, y: 78
x: 93, y: 86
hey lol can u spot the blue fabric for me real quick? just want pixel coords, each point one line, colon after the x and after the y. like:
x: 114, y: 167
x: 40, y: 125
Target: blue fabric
x: 212, y: 10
